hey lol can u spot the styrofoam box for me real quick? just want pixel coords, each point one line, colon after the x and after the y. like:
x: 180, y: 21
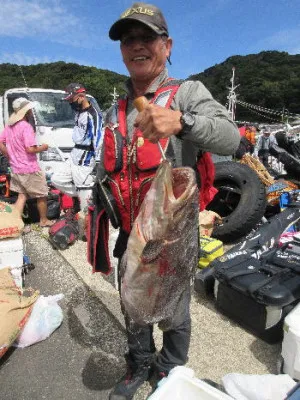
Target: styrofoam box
x: 11, y: 252
x: 182, y: 384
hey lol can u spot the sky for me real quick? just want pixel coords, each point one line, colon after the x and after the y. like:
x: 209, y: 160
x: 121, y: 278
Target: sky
x: 204, y: 32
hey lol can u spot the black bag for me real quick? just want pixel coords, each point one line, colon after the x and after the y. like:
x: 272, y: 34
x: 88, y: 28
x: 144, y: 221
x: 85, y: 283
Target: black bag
x: 31, y: 214
x: 204, y: 281
x: 291, y: 163
x: 258, y: 293
x: 102, y: 193
x: 64, y: 231
x: 254, y: 245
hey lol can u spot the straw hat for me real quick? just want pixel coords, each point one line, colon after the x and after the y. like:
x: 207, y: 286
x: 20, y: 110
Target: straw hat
x: 20, y: 106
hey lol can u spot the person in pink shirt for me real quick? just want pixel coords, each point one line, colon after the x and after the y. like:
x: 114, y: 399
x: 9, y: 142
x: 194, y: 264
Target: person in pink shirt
x: 18, y: 144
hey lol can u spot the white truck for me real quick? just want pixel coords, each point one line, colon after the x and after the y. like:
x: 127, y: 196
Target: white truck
x: 53, y: 119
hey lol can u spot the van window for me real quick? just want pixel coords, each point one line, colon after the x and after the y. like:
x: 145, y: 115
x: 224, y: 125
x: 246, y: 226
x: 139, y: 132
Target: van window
x: 50, y: 109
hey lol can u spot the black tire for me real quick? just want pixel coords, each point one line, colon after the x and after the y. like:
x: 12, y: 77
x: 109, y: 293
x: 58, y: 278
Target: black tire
x: 241, y: 200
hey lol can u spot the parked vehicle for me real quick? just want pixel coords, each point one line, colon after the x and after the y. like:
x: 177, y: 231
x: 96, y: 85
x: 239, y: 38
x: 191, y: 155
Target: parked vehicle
x: 53, y: 122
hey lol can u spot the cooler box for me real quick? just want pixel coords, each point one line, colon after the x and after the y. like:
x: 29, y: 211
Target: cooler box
x: 182, y: 384
x: 210, y: 249
x: 258, y: 293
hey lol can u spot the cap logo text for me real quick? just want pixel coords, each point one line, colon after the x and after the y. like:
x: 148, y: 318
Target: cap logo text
x: 138, y: 10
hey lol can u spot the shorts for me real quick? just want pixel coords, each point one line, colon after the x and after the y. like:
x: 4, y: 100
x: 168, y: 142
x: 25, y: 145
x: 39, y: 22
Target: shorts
x: 34, y: 185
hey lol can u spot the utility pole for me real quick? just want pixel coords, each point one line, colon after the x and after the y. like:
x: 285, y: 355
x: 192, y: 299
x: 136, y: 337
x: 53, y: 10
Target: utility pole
x: 114, y: 96
x: 232, y: 96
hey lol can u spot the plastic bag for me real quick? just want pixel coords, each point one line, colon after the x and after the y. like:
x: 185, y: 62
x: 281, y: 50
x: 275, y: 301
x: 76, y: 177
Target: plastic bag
x: 257, y: 387
x: 46, y: 316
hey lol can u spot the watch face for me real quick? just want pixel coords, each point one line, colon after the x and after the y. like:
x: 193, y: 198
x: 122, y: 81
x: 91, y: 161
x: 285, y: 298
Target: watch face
x: 187, y: 120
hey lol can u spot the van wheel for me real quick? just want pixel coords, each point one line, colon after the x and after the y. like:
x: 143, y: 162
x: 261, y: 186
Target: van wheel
x: 241, y: 200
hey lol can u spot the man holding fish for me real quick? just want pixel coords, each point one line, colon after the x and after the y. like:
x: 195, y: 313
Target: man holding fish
x: 178, y: 121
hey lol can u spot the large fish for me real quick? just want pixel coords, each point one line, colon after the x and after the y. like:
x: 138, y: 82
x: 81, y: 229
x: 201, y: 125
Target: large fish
x: 162, y: 249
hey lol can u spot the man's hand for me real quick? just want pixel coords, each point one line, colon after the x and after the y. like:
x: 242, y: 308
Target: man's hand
x: 157, y: 122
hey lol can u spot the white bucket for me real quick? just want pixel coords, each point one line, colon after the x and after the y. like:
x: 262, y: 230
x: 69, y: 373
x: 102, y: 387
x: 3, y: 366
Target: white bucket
x: 291, y: 344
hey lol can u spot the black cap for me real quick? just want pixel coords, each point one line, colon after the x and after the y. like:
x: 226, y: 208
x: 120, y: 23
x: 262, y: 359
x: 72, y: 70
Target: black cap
x: 72, y: 89
x: 147, y: 14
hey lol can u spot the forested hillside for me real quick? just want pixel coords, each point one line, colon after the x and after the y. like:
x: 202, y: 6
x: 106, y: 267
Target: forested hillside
x: 58, y: 75
x: 269, y: 79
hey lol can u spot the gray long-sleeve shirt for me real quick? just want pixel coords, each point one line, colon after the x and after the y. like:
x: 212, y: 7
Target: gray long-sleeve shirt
x: 213, y: 130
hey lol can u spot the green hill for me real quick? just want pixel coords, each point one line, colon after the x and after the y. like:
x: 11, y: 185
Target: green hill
x: 270, y: 79
x: 58, y: 75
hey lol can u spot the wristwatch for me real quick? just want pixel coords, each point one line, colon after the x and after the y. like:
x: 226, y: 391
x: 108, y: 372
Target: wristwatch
x: 187, y: 121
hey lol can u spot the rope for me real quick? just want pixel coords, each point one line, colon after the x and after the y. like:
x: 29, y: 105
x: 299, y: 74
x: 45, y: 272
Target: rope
x: 266, y: 178
x: 265, y: 110
x: 259, y: 168
x: 264, y: 116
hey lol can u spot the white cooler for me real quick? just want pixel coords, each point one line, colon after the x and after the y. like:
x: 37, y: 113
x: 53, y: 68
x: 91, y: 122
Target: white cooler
x: 181, y: 384
x: 11, y: 255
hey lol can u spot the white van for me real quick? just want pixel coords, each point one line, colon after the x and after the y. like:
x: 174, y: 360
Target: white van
x: 53, y: 120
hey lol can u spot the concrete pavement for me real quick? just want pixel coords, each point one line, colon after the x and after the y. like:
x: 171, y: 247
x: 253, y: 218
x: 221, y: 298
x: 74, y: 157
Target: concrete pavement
x: 218, y: 345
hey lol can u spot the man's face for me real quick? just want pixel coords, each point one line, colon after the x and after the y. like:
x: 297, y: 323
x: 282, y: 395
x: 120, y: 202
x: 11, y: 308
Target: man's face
x: 75, y: 99
x: 144, y: 53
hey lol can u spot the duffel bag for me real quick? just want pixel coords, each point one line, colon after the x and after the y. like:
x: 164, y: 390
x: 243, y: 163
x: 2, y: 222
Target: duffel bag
x: 31, y: 213
x: 64, y: 231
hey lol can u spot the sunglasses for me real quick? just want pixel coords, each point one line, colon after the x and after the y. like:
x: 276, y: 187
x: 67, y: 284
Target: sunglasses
x: 146, y: 38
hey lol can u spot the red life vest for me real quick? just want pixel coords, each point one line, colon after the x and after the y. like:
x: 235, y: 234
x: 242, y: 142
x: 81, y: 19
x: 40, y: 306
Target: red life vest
x: 131, y: 166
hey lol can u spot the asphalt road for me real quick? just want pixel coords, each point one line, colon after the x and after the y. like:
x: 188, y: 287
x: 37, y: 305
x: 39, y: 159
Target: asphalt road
x: 83, y: 358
